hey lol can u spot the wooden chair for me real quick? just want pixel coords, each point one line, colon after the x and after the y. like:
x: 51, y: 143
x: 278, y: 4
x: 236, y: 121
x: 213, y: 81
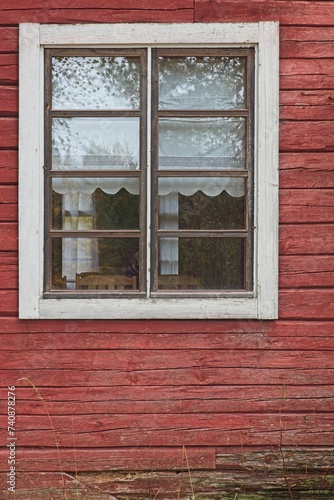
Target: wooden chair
x: 97, y: 281
x: 178, y: 282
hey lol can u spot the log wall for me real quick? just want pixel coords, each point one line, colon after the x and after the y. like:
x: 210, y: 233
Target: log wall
x: 181, y: 409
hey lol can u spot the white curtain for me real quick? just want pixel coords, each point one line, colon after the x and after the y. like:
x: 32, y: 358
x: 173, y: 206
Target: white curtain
x: 79, y: 254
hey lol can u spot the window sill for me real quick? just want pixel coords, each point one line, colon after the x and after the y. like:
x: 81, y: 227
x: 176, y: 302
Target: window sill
x: 154, y: 308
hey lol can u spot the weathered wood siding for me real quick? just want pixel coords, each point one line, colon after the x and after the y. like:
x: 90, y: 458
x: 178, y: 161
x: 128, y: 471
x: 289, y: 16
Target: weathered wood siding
x: 246, y: 405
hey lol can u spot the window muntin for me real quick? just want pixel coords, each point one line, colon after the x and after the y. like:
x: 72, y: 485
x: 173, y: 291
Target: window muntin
x: 201, y: 126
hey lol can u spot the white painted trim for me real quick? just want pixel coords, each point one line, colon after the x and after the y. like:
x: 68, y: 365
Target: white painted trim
x: 30, y: 173
x: 267, y: 170
x: 264, y: 36
x: 150, y: 34
x: 151, y: 308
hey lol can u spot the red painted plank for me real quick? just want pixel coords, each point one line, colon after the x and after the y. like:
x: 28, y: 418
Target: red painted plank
x: 170, y: 399
x: 9, y: 39
x: 286, y: 12
x: 159, y: 332
x: 8, y: 69
x: 8, y: 303
x: 307, y: 136
x: 130, y: 361
x: 300, y: 49
x: 307, y: 105
x: 8, y: 133
x: 307, y: 33
x: 9, y: 271
x: 307, y: 74
x: 307, y: 239
x: 7, y: 5
x: 8, y: 101
x: 104, y: 431
x: 8, y: 236
x: 8, y: 194
x: 8, y: 213
x: 308, y: 336
x: 306, y: 271
x: 113, y: 458
x: 8, y: 166
x: 306, y: 170
x: 307, y: 98
x: 180, y: 377
x: 306, y: 205
x: 301, y: 303
x: 117, y: 11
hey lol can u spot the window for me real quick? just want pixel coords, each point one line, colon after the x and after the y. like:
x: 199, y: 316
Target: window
x: 155, y: 171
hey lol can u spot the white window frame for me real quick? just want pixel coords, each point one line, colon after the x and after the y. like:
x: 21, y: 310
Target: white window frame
x: 33, y: 39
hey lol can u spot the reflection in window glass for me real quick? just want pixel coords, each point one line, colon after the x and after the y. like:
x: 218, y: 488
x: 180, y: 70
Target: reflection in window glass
x: 196, y: 82
x: 99, y: 82
x: 105, y: 260
x: 202, y: 143
x: 95, y: 203
x: 95, y: 143
x: 212, y: 263
x: 201, y: 203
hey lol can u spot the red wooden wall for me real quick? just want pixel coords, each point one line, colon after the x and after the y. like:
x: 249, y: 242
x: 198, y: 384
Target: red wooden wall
x: 129, y: 395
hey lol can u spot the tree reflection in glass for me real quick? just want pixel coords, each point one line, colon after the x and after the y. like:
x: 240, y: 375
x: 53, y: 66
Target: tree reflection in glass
x: 95, y: 82
x: 209, y: 82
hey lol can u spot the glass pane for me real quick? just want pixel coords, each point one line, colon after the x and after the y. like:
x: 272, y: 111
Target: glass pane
x: 95, y: 263
x: 201, y: 203
x: 198, y: 82
x: 89, y: 203
x: 202, y: 143
x: 95, y: 82
x: 95, y: 143
x: 201, y: 263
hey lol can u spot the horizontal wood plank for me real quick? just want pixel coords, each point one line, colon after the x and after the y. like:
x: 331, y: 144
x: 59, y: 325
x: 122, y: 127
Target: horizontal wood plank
x: 286, y: 12
x: 307, y: 271
x: 135, y: 458
x: 8, y: 167
x: 307, y: 239
x: 183, y: 484
x: 8, y: 237
x: 8, y: 101
x: 306, y: 205
x: 306, y: 105
x: 8, y: 303
x: 103, y: 431
x: 306, y: 170
x: 86, y: 5
x: 309, y: 336
x: 8, y: 133
x: 304, y: 303
x: 306, y: 74
x: 157, y: 333
x: 130, y: 361
x: 126, y: 11
x: 9, y: 39
x: 301, y: 49
x: 178, y: 377
x: 172, y: 399
x: 307, y: 33
x: 307, y: 136
x: 9, y: 69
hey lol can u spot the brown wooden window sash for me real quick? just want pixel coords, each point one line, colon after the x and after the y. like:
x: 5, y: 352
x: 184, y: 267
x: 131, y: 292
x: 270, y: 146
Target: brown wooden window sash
x: 158, y: 172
